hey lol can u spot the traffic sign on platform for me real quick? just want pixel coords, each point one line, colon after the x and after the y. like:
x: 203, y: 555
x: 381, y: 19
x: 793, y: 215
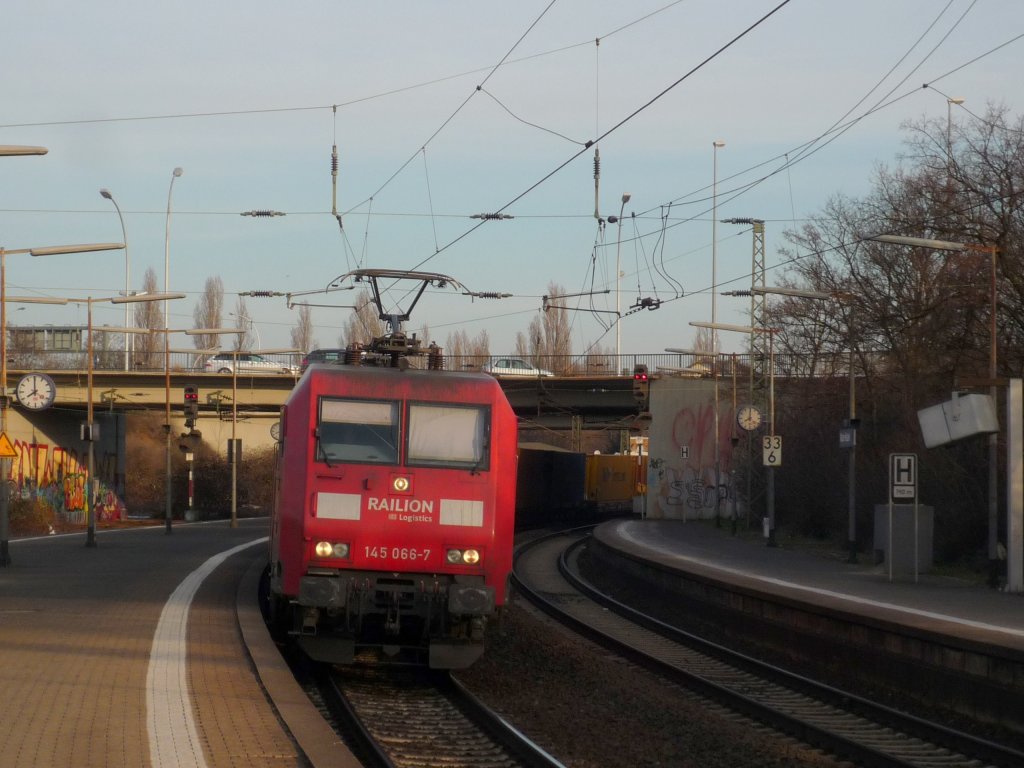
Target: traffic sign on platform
x: 7, y: 447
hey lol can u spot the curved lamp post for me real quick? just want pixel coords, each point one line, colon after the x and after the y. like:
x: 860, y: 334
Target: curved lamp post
x: 771, y: 408
x: 105, y: 193
x: 993, y: 439
x: 716, y: 145
x: 168, y: 491
x: 16, y: 150
x: 90, y: 433
x: 234, y: 418
x: 167, y: 246
x: 851, y: 444
x: 5, y: 463
x: 618, y: 282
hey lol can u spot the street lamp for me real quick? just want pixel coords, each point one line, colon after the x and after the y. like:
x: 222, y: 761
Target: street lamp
x: 716, y: 145
x: 993, y: 439
x: 168, y: 491
x: 949, y: 128
x: 757, y: 317
x: 89, y: 433
x: 618, y: 281
x: 234, y: 419
x: 5, y: 467
x: 167, y: 247
x: 851, y: 531
x: 105, y: 193
x: 252, y: 324
x: 771, y: 408
x: 15, y: 150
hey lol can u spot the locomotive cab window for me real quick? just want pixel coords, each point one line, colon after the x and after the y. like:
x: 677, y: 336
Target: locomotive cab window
x: 363, y: 431
x: 449, y: 436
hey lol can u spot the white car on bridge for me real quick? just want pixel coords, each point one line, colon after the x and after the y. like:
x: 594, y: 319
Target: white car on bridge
x: 248, y: 363
x: 513, y: 366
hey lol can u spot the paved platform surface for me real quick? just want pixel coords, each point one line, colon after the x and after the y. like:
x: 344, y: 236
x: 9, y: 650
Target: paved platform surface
x: 934, y: 603
x: 147, y: 650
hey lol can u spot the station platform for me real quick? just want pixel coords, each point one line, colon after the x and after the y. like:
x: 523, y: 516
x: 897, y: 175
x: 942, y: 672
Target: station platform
x: 936, y: 605
x: 148, y: 650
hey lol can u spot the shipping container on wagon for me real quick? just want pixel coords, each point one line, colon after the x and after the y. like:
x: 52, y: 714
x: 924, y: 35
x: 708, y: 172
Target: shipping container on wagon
x: 550, y: 486
x: 614, y: 479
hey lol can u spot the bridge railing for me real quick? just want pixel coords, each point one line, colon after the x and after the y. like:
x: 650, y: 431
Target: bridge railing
x: 688, y: 364
x: 113, y: 360
x: 598, y: 365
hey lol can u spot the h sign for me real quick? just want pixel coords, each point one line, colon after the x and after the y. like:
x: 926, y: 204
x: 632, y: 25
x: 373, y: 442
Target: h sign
x: 903, y: 476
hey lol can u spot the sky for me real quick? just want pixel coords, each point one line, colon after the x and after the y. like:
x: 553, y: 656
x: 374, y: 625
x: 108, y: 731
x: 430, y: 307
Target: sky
x: 448, y: 109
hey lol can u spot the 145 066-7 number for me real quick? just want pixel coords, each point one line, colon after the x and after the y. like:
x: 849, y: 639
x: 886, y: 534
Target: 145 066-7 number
x: 411, y: 554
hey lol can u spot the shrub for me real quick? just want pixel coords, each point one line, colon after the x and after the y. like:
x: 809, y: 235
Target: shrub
x: 31, y: 517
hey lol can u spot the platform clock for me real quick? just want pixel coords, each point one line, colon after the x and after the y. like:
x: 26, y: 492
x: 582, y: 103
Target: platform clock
x: 36, y: 391
x: 748, y: 418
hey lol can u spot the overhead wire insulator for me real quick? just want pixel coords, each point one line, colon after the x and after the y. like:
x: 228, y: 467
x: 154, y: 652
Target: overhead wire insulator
x: 261, y: 294
x: 597, y: 182
x: 334, y: 179
x: 334, y: 176
x: 262, y: 213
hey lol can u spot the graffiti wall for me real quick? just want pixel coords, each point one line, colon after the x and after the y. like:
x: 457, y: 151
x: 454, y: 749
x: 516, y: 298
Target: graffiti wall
x: 51, y: 464
x: 682, y: 463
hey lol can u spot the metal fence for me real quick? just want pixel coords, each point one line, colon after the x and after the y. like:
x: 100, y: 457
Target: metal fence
x: 689, y: 364
x: 113, y: 360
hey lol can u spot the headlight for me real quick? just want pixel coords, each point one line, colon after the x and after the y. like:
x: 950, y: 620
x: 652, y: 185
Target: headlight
x: 463, y: 556
x: 329, y: 549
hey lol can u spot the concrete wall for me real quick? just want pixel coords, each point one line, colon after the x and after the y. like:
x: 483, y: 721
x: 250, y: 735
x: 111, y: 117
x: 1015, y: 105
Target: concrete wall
x: 52, y: 462
x: 681, y: 465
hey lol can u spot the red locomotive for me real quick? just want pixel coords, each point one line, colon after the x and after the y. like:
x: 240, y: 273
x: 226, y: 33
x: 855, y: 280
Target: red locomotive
x: 393, y: 525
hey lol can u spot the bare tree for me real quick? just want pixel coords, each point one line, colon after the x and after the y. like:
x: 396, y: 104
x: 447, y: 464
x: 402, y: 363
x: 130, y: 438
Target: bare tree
x: 148, y: 315
x: 302, y: 333
x: 548, y: 342
x: 243, y: 339
x: 363, y: 324
x: 208, y: 313
x: 106, y: 348
x: 468, y: 352
x: 917, y: 320
x: 596, y: 359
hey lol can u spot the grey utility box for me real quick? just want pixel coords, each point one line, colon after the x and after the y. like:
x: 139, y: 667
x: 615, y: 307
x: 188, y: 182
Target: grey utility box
x: 903, y: 536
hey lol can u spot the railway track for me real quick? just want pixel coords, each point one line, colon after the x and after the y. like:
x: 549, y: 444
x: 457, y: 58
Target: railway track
x: 846, y: 725
x: 397, y: 717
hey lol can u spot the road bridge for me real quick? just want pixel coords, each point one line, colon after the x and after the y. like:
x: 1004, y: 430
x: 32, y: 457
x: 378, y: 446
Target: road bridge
x: 552, y: 402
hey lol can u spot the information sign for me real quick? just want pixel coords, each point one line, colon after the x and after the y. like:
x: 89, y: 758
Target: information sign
x: 771, y: 450
x: 903, y: 477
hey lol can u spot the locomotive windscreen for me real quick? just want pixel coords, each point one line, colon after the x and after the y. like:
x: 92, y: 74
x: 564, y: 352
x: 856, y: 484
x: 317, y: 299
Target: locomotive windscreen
x: 447, y: 435
x: 364, y: 431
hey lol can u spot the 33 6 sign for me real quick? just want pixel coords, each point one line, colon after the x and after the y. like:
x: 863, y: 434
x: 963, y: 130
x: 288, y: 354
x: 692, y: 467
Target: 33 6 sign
x: 771, y: 450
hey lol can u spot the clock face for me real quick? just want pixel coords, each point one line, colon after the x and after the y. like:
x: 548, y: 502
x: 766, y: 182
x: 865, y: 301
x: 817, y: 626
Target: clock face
x: 748, y: 418
x: 36, y: 391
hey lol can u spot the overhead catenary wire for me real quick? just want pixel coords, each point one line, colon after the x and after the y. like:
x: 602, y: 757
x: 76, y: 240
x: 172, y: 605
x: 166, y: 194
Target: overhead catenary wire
x: 323, y: 107
x: 787, y: 165
x: 617, y: 125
